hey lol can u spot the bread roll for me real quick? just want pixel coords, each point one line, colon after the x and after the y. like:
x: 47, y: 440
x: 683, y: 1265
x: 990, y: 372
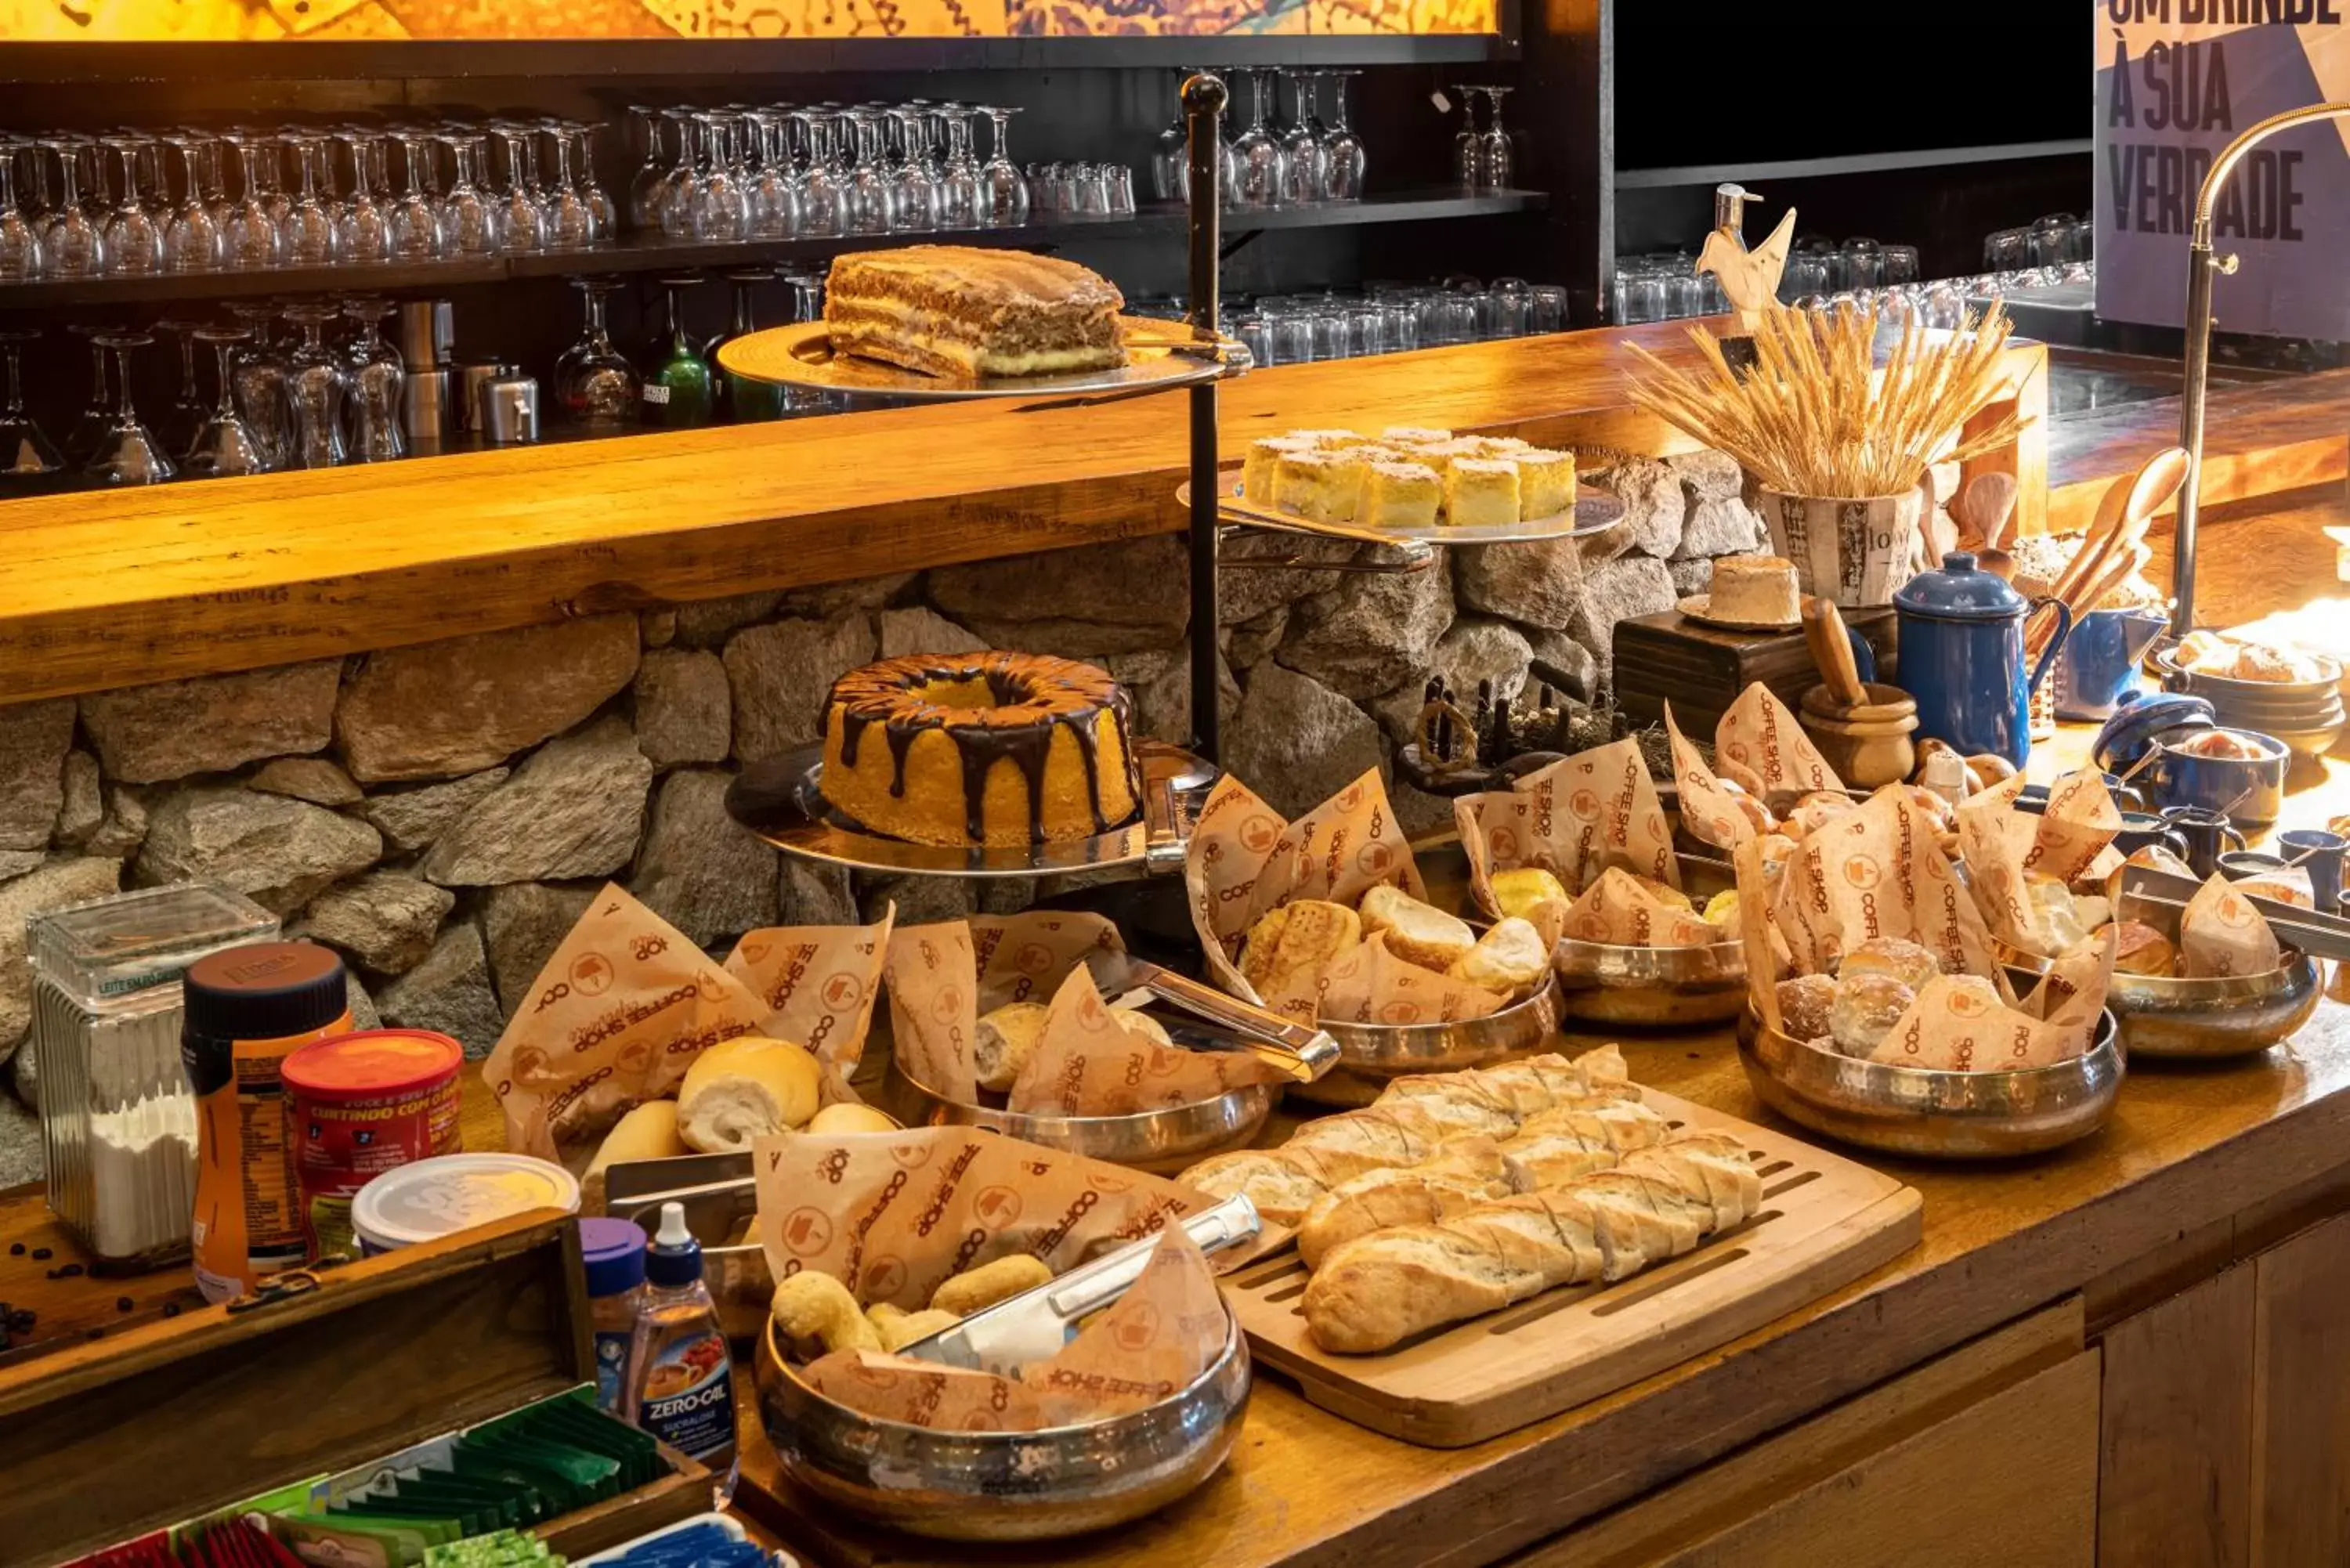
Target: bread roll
x: 1512, y: 959
x: 983, y: 1287
x: 901, y: 1329
x: 1866, y: 1009
x: 1516, y: 891
x: 1894, y: 957
x: 742, y: 1089
x: 1297, y: 935
x: 1470, y: 1171
x: 849, y: 1117
x: 1416, y: 932
x: 2139, y: 949
x: 1804, y: 1005
x: 648, y: 1132
x: 1005, y: 1041
x: 812, y: 1308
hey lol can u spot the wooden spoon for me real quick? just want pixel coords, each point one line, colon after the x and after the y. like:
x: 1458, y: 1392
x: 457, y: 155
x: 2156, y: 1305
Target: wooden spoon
x: 1832, y: 651
x: 1984, y: 507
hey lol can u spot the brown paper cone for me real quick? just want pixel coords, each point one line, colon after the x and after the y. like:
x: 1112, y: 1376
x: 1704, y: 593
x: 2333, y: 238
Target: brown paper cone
x: 1760, y: 735
x: 1339, y: 851
x: 943, y: 977
x: 615, y: 1018
x: 1708, y: 811
x: 1881, y: 872
x: 1088, y: 1065
x: 2073, y: 833
x: 1620, y: 911
x: 1575, y: 819
x: 1953, y: 1029
x: 2219, y: 933
x: 924, y: 1393
x: 1152, y: 1344
x: 1371, y: 986
x: 819, y: 983
x: 1755, y: 930
x: 893, y: 1216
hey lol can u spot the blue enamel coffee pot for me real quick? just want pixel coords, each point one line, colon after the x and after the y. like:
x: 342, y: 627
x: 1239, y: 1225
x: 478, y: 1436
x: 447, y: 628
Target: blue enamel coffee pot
x: 1962, y: 640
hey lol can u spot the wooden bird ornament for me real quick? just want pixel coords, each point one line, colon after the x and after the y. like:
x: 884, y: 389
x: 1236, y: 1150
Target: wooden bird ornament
x: 1750, y: 279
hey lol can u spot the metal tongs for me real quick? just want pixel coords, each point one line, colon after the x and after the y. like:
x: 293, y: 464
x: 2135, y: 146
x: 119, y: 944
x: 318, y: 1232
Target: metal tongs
x: 2319, y: 936
x: 1299, y: 1053
x: 1033, y: 1327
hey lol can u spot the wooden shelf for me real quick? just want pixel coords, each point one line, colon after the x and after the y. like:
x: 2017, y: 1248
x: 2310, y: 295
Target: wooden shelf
x: 638, y: 253
x: 1859, y: 164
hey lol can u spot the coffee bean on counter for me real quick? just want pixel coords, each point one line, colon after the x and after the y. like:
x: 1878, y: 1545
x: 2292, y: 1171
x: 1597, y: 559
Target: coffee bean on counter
x: 66, y: 1272
x: 15, y: 1249
x: 41, y: 1254
x: 122, y: 1304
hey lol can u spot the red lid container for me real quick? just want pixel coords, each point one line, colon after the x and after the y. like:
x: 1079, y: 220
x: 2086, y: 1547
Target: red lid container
x: 370, y: 1063
x: 360, y: 1105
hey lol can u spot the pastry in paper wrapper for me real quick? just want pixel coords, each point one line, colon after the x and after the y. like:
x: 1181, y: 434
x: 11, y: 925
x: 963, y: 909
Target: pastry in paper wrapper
x: 1620, y: 911
x: 1244, y: 861
x: 1953, y: 1028
x: 1087, y: 1065
x: 1574, y: 819
x: 626, y: 1003
x: 1708, y: 810
x: 2219, y: 933
x: 1759, y: 735
x: 1151, y: 1344
x: 1875, y: 872
x: 2285, y: 885
x: 1370, y: 985
x: 2005, y: 849
x: 943, y: 976
x: 894, y: 1215
x: 2075, y: 831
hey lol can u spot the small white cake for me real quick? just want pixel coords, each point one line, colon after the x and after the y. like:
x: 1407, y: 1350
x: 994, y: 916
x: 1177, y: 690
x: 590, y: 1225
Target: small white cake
x: 1757, y: 590
x: 1480, y: 492
x: 1308, y: 484
x: 1399, y: 495
x: 1545, y: 482
x: 1264, y: 458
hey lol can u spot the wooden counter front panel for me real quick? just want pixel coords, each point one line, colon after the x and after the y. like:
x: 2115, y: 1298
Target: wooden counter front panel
x: 2300, y: 1462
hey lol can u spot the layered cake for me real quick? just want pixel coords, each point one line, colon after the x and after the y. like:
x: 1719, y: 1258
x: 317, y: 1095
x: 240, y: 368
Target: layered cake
x: 1398, y: 495
x: 1755, y: 590
x: 958, y: 311
x: 1409, y: 476
x: 995, y: 749
x: 1546, y: 482
x: 1480, y: 491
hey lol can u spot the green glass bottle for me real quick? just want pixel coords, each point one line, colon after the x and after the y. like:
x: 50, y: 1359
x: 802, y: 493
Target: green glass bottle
x: 680, y: 392
x: 740, y: 402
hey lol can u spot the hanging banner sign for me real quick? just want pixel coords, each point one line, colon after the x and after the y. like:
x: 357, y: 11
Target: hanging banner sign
x: 2177, y: 81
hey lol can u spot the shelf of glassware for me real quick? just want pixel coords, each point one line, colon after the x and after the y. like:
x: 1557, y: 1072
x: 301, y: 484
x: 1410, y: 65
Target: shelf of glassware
x: 636, y: 253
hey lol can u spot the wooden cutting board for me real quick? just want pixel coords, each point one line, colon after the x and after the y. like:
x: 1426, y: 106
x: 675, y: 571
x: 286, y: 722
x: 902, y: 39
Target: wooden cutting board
x: 1826, y: 1220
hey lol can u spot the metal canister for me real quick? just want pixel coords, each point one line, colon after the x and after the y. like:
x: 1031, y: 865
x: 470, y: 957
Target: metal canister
x: 471, y: 376
x: 427, y: 331
x: 425, y: 414
x: 509, y: 409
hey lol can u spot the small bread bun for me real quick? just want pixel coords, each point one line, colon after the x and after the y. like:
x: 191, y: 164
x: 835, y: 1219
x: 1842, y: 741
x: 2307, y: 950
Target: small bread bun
x: 900, y: 1329
x: 648, y: 1132
x: 1989, y: 768
x: 745, y: 1088
x: 1512, y: 959
x: 2139, y: 949
x: 1894, y: 957
x: 1521, y: 890
x: 1866, y: 1009
x: 1815, y: 811
x: 1005, y: 1041
x: 1142, y: 1026
x: 1299, y: 934
x: 812, y: 1308
x: 1803, y: 1005
x: 850, y: 1117
x: 1722, y: 909
x: 1416, y: 932
x: 973, y: 1289
x: 1940, y: 812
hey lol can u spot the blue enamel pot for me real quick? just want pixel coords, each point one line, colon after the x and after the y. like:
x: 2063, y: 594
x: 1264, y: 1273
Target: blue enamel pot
x: 1962, y: 640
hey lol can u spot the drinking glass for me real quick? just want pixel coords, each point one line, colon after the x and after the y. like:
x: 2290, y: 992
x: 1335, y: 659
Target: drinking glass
x: 1290, y: 327
x: 913, y: 196
x: 469, y: 219
x: 817, y: 187
x: 90, y: 427
x: 1468, y: 149
x: 21, y: 251
x: 1365, y: 331
x: 128, y: 453
x: 363, y: 226
x: 740, y: 402
x: 1256, y: 152
x: 226, y: 446
x: 1399, y: 324
x: 75, y: 246
x: 645, y: 185
x: 2049, y: 240
x: 722, y: 210
x: 1255, y: 335
x: 959, y: 201
x: 415, y: 225
x: 258, y: 372
x: 604, y: 220
x: 1802, y: 275
x: 571, y: 216
x: 1509, y: 305
x: 307, y: 227
x: 192, y: 239
x: 1639, y: 298
x: 376, y: 378
x: 189, y: 410
x: 594, y: 380
x: 1496, y: 157
x: 134, y: 240
x: 1901, y: 265
x: 1118, y: 190
x: 865, y: 200
x: 522, y: 213
x: 1305, y: 160
x: 2005, y: 250
x: 679, y: 393
x: 1547, y: 310
x: 316, y: 385
x: 26, y: 453
x: 1002, y: 193
x: 1864, y: 263
x: 1945, y: 311
x: 771, y: 192
x: 1342, y: 148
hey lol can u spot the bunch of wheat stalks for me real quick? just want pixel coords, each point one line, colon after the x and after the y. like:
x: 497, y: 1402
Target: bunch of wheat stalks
x: 1814, y: 417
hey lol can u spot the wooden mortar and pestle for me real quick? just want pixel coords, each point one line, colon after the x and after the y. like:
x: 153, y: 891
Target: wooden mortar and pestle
x: 1862, y: 729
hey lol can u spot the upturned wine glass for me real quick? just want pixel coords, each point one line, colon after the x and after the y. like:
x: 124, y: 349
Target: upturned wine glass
x: 1343, y: 147
x: 1468, y: 151
x: 315, y: 384
x: 819, y: 187
x: 645, y: 180
x: 603, y: 220
x: 771, y: 191
x: 675, y: 199
x: 740, y: 402
x: 128, y: 453
x: 415, y: 222
x: 74, y: 245
x: 363, y: 226
x: 250, y: 239
x: 1002, y: 193
x: 522, y: 210
x: 226, y: 446
x: 189, y: 412
x: 192, y: 238
x: 377, y: 377
x: 309, y: 225
x: 1496, y: 156
x: 22, y: 254
x: 959, y: 205
x: 722, y: 210
x: 26, y: 450
x: 469, y: 220
x: 89, y: 431
x: 134, y: 240
x: 258, y: 372
x: 1255, y: 150
x: 594, y: 380
x: 913, y: 194
x: 679, y: 392
x: 1170, y: 152
x: 865, y: 199
x: 1305, y: 160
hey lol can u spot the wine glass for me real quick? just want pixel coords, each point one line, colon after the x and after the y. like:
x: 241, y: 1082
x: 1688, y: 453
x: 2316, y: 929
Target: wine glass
x: 775, y: 201
x: 645, y: 183
x: 1002, y: 193
x: 192, y: 239
x: 26, y: 453
x: 249, y: 238
x: 1496, y: 158
x: 675, y: 200
x: 75, y: 245
x: 522, y: 213
x: 594, y: 380
x: 865, y: 200
x: 913, y: 196
x: 88, y: 432
x: 469, y: 220
x: 959, y: 177
x: 21, y: 254
x: 1256, y: 151
x: 413, y: 222
x: 1305, y: 160
x: 1170, y: 152
x: 1468, y: 151
x: 226, y: 446
x: 128, y: 453
x: 315, y: 384
x: 603, y: 220
x: 818, y: 188
x: 377, y: 377
x: 722, y: 209
x: 188, y: 409
x: 740, y: 402
x: 134, y: 241
x: 1343, y: 147
x: 258, y: 372
x: 308, y: 227
x: 679, y: 394
x: 362, y: 225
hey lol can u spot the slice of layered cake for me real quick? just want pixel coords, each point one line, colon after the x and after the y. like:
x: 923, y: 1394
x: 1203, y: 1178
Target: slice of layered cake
x: 958, y: 311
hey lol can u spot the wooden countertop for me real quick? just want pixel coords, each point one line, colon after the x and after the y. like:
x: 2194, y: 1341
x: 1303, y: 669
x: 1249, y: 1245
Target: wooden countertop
x: 112, y: 588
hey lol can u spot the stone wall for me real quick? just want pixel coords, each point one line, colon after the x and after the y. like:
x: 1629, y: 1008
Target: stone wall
x: 441, y: 814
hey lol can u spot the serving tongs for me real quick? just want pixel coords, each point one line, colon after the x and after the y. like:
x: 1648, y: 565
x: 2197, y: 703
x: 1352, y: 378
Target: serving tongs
x: 1298, y: 1054
x: 1021, y: 1331
x: 2319, y: 936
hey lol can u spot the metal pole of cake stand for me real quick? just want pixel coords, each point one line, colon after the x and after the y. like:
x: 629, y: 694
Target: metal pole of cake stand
x: 2202, y: 266
x: 1203, y: 114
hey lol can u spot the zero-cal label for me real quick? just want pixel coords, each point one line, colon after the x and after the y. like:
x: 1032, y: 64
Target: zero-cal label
x: 688, y: 1397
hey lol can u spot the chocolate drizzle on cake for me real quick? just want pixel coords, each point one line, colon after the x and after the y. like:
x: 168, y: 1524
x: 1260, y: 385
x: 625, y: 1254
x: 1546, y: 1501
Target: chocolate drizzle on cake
x: 1032, y: 697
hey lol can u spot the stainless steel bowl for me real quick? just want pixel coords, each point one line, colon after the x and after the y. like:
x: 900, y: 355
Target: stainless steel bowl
x: 1930, y: 1114
x: 1652, y: 988
x: 2162, y: 1017
x: 1161, y: 1142
x: 1371, y: 1055
x: 1004, y: 1486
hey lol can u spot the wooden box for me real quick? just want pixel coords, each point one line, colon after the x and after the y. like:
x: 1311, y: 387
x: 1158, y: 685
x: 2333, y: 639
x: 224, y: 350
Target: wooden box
x: 1700, y: 670
x: 171, y: 1421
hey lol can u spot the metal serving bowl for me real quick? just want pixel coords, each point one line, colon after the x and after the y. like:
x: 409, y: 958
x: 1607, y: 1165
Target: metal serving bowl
x: 1372, y: 1055
x: 1932, y: 1113
x: 1004, y: 1486
x: 2164, y: 1016
x: 1161, y: 1142
x: 1656, y: 987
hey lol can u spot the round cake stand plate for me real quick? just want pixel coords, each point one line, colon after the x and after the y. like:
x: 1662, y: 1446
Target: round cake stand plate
x: 1159, y: 358
x: 1595, y: 512
x: 1697, y: 608
x: 782, y: 801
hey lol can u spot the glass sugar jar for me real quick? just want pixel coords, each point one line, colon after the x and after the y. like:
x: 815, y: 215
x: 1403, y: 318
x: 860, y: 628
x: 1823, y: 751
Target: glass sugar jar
x: 118, y: 1117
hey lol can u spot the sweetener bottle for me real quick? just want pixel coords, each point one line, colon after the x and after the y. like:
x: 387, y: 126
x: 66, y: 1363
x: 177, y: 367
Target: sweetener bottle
x: 680, y: 1382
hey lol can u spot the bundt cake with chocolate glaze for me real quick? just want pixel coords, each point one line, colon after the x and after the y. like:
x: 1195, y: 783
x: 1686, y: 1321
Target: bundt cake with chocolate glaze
x: 970, y: 749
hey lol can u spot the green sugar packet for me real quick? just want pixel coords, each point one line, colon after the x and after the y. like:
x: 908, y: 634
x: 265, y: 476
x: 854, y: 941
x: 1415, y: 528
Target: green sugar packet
x: 566, y: 1421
